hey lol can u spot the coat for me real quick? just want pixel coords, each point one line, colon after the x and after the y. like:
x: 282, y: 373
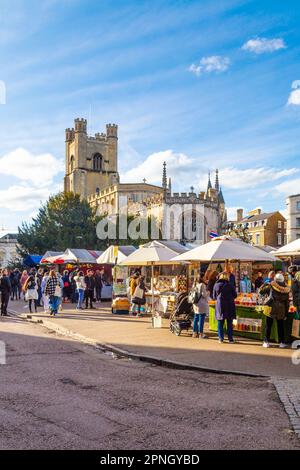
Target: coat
x: 296, y: 291
x: 202, y: 305
x: 224, y: 294
x: 279, y: 295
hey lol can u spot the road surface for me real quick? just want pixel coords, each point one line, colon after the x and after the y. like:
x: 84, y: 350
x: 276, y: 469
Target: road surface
x: 56, y: 393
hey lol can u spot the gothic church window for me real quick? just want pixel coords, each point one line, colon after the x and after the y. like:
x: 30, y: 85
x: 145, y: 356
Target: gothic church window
x: 72, y: 162
x: 97, y: 162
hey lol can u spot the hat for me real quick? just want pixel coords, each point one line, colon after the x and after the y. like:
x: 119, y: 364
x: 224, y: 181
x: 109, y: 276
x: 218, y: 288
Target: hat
x: 279, y: 277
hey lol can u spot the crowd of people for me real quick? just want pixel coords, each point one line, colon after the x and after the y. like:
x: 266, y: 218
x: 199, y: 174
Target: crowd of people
x: 48, y: 289
x: 221, y: 287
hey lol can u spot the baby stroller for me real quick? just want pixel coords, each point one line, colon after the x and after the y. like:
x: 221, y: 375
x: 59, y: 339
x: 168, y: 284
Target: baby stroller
x: 181, y: 318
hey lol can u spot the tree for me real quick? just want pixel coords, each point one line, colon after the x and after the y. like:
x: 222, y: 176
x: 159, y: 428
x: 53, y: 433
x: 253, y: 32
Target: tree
x: 63, y: 221
x: 66, y: 221
x: 240, y: 232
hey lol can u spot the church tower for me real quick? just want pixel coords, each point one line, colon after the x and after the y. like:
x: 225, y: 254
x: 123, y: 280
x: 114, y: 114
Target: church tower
x: 91, y: 161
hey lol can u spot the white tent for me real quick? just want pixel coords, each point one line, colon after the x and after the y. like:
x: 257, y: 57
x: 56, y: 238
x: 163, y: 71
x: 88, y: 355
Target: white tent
x: 291, y: 249
x: 109, y: 255
x: 226, y: 248
x: 154, y: 254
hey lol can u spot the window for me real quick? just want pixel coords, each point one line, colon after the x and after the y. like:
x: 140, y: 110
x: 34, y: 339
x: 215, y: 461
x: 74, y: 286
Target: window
x: 298, y: 205
x: 257, y: 239
x: 72, y: 162
x: 279, y: 239
x: 297, y: 235
x: 97, y: 162
x: 285, y: 225
x: 285, y: 239
x: 279, y: 224
x: 298, y: 222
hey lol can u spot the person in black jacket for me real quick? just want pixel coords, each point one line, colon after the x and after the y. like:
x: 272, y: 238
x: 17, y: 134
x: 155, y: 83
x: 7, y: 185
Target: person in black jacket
x: 5, y: 289
x: 90, y: 288
x: 295, y: 275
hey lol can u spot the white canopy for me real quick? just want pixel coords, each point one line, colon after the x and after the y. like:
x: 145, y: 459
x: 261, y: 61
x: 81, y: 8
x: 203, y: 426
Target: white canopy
x: 108, y: 256
x: 152, y: 254
x: 291, y: 249
x: 225, y: 248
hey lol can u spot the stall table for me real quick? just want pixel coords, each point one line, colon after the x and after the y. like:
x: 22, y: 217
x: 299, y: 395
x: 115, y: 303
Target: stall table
x: 251, y: 322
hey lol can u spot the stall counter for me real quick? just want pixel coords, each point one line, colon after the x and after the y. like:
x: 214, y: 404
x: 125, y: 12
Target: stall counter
x: 250, y: 322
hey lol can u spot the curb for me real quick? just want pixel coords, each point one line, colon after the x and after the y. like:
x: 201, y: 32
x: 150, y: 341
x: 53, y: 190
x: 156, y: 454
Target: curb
x: 134, y: 356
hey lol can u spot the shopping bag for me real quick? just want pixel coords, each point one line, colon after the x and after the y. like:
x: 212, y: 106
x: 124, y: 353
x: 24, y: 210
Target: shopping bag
x: 138, y: 293
x: 296, y: 329
x: 156, y: 321
x: 57, y: 292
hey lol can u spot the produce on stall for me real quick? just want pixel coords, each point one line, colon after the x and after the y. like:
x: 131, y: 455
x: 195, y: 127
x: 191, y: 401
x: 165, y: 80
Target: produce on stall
x: 153, y: 255
x: 251, y: 316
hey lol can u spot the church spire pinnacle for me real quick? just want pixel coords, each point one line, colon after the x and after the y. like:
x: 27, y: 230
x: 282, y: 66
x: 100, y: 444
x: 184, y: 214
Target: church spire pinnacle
x: 209, y: 185
x: 164, y: 178
x: 217, y: 184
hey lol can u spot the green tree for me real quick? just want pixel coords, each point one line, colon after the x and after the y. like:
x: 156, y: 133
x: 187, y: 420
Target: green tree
x: 63, y: 221
x: 66, y: 221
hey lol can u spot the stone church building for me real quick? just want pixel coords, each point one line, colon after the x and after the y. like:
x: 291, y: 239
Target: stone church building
x: 92, y: 172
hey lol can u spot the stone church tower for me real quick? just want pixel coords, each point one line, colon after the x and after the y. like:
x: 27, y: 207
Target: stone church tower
x: 91, y: 162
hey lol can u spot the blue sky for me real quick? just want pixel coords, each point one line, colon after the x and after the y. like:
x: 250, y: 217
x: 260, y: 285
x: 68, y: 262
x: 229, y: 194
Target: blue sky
x: 200, y: 84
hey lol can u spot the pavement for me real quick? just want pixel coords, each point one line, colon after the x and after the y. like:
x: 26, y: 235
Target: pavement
x: 136, y: 337
x: 59, y: 393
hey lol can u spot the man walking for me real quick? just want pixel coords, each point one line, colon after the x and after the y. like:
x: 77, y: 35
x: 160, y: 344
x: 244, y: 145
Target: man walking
x: 99, y: 283
x: 5, y: 289
x: 90, y: 288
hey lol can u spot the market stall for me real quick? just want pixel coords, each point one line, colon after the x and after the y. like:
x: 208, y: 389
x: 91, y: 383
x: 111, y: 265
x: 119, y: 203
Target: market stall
x: 163, y: 289
x: 250, y: 321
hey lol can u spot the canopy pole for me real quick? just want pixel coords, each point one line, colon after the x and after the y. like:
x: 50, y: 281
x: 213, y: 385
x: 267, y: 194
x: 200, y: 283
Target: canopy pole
x: 152, y: 287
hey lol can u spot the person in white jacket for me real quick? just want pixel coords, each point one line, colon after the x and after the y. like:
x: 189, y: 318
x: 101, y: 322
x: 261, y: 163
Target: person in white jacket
x: 200, y: 306
x: 80, y: 289
x: 45, y: 298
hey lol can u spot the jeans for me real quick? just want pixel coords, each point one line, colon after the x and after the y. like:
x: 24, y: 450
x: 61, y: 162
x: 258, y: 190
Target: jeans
x: 34, y: 303
x: 54, y: 303
x: 80, y: 293
x: 280, y: 326
x: 199, y: 319
x: 98, y: 293
x: 45, y: 302
x: 229, y: 329
x: 89, y: 296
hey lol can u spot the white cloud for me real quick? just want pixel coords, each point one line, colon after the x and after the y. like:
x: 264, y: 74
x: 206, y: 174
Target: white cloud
x: 36, y: 169
x: 23, y: 198
x: 289, y: 187
x: 151, y: 168
x: 294, y: 97
x: 234, y: 178
x: 261, y: 45
x: 210, y: 64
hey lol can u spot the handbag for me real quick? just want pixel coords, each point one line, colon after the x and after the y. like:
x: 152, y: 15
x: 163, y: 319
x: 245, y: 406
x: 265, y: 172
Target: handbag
x: 138, y: 293
x: 57, y: 292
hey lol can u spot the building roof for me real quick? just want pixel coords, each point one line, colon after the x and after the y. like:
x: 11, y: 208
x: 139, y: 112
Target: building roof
x: 9, y: 236
x: 255, y: 218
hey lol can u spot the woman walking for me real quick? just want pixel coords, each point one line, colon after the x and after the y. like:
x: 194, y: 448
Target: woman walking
x: 31, y: 292
x: 53, y: 290
x: 224, y: 293
x: 67, y: 285
x: 80, y: 289
x: 200, y: 306
x: 45, y: 297
x: 23, y: 279
x: 278, y: 299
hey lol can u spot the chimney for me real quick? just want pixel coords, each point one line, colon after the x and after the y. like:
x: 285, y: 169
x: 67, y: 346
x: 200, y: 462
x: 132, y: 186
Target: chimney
x: 239, y: 215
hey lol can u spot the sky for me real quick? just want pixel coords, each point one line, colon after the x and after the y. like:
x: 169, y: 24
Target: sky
x: 199, y: 84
